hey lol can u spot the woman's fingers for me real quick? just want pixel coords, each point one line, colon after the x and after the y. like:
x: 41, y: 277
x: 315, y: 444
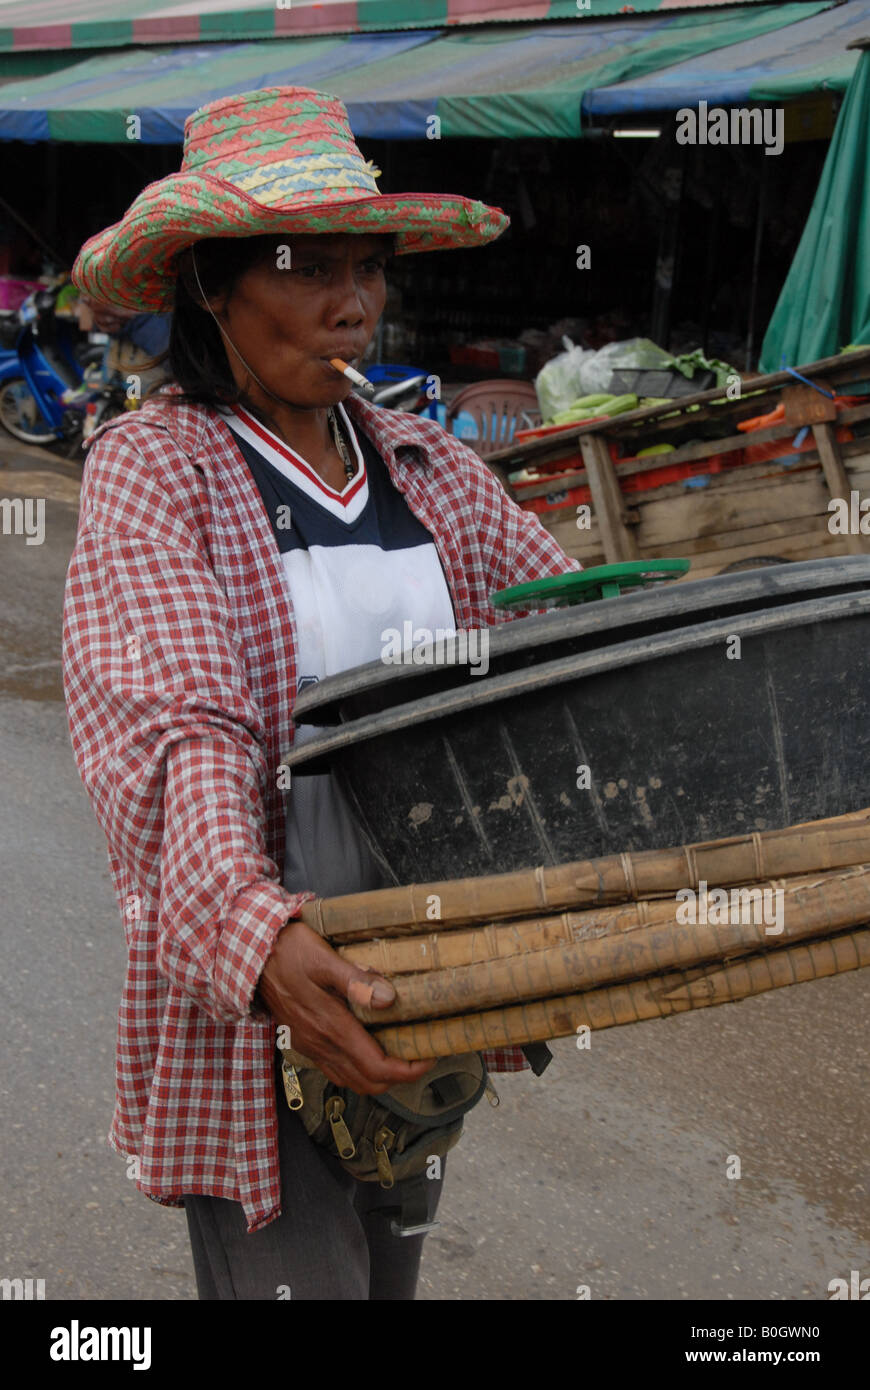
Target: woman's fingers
x: 361, y: 987
x: 305, y: 985
x: 370, y: 993
x: 341, y: 1040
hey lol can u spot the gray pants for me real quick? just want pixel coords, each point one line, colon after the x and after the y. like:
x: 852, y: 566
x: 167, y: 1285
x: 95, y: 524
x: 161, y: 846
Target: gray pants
x: 331, y: 1241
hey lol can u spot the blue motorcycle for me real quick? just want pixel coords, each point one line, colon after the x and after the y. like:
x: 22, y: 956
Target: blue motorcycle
x: 405, y: 388
x: 43, y: 388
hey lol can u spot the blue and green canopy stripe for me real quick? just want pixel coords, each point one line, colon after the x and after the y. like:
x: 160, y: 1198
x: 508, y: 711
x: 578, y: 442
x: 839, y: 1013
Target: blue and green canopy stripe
x: 810, y: 55
x: 64, y: 24
x: 499, y: 82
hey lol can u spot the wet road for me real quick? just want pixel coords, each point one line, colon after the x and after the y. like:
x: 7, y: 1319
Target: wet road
x: 610, y: 1172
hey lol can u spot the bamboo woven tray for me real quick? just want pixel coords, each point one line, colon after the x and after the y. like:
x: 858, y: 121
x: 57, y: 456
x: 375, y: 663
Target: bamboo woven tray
x: 535, y: 955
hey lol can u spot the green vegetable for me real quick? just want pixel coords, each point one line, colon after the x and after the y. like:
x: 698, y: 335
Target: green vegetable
x: 582, y: 402
x: 585, y: 410
x: 618, y: 404
x: 564, y: 417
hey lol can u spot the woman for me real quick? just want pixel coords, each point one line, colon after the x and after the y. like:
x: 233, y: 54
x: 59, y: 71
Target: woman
x: 252, y: 529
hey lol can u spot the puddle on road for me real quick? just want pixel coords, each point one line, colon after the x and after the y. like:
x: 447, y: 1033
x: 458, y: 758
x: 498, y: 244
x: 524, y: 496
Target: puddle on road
x: 35, y: 684
x: 25, y: 675
x: 33, y: 578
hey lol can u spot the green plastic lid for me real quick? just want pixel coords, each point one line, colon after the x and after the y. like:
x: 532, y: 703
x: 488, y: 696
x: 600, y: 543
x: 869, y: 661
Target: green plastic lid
x: 584, y: 586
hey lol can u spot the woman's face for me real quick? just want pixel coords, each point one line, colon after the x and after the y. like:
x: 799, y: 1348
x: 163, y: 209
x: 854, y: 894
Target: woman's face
x: 288, y: 320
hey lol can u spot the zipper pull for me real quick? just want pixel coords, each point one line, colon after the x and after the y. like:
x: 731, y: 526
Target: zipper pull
x: 384, y: 1140
x: 340, y: 1132
x: 292, y: 1088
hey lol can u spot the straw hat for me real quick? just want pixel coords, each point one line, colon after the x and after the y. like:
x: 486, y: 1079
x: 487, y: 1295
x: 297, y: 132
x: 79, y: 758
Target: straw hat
x: 280, y: 160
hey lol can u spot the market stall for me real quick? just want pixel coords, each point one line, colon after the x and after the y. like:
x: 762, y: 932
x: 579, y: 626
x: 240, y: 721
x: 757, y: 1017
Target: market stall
x: 731, y: 480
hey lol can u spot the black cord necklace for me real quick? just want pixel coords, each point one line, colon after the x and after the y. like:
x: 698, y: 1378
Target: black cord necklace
x: 338, y: 440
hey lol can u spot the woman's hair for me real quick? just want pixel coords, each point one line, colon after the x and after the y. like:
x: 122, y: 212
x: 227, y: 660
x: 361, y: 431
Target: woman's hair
x: 196, y: 358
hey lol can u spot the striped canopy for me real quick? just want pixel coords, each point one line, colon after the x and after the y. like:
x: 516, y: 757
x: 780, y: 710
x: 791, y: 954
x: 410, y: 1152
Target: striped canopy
x: 808, y: 56
x: 64, y: 24
x: 505, y: 81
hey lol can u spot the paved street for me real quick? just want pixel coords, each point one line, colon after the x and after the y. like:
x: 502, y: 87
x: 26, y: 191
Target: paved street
x: 610, y: 1171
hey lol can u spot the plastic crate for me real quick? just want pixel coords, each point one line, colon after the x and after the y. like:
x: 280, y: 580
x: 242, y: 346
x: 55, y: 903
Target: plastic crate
x: 566, y: 499
x: 475, y: 357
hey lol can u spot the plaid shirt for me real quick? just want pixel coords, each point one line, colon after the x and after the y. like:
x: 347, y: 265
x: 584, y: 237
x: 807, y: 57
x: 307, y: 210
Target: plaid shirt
x: 179, y: 668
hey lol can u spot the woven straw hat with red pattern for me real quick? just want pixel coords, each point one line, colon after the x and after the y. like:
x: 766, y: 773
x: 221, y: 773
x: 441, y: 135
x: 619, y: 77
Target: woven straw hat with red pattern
x: 280, y: 160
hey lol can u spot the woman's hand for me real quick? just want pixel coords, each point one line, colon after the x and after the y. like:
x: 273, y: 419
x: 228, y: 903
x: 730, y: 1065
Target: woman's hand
x: 304, y: 984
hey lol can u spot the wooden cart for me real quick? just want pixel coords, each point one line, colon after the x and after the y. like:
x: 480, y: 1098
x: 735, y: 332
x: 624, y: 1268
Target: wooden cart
x: 747, y: 507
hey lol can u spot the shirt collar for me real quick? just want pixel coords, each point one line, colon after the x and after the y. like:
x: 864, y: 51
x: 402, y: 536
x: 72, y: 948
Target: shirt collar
x: 400, y: 438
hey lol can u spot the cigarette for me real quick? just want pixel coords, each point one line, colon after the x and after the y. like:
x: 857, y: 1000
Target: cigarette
x: 352, y: 375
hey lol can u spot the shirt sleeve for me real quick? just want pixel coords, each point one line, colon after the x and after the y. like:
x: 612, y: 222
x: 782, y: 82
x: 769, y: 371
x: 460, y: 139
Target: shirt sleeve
x: 168, y: 740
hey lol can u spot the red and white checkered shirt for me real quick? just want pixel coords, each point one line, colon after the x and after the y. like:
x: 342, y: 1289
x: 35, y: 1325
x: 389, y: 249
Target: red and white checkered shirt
x: 179, y: 668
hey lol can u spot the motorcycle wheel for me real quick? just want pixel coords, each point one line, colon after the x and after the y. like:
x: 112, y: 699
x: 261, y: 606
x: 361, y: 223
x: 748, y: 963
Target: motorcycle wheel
x: 19, y: 414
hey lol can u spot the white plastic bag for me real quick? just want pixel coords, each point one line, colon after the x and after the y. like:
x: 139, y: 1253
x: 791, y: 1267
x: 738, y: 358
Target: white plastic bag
x: 633, y: 354
x: 559, y: 382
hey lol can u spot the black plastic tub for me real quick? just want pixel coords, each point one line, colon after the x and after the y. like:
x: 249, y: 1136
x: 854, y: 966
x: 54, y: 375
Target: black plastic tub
x: 561, y: 632
x: 682, y: 742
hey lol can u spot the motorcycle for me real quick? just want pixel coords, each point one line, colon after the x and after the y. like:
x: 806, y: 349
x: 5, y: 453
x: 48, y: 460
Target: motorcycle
x: 54, y: 390
x: 405, y: 388
x: 396, y: 387
x: 46, y: 375
x: 106, y: 401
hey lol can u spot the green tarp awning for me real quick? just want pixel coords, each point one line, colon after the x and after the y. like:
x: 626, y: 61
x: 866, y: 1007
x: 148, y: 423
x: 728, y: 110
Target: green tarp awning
x: 825, y: 301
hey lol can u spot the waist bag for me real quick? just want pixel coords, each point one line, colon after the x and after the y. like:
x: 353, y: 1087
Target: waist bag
x: 392, y: 1137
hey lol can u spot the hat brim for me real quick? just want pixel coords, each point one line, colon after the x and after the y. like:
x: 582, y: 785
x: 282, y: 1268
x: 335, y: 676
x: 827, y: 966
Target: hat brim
x: 132, y: 263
